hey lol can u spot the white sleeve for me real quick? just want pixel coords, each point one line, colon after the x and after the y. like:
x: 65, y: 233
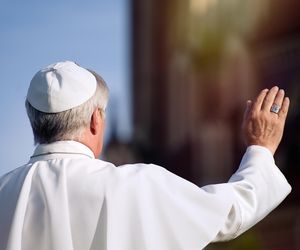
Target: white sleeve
x: 167, y: 212
x: 258, y: 187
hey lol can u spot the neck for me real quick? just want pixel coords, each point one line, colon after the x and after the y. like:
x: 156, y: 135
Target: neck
x: 92, y: 143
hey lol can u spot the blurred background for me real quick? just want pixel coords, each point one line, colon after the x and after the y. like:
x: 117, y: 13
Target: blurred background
x: 34, y: 34
x: 179, y: 72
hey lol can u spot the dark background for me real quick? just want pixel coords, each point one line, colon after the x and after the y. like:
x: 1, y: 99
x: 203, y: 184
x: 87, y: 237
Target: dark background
x: 194, y: 65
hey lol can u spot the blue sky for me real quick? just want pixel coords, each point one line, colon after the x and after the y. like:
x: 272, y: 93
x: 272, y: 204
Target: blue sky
x: 34, y: 34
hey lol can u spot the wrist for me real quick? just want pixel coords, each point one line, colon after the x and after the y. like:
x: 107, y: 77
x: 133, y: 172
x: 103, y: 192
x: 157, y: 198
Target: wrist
x: 272, y: 150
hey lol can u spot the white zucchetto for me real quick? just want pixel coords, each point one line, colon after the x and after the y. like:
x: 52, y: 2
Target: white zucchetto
x: 61, y: 86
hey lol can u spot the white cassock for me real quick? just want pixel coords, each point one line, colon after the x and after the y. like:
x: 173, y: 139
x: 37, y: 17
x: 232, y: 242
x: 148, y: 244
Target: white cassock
x: 64, y: 199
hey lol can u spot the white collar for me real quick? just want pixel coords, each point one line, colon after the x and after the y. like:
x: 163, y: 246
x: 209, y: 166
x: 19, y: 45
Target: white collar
x: 62, y: 148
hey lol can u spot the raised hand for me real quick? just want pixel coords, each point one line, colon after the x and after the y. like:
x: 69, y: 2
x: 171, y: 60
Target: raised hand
x: 264, y: 118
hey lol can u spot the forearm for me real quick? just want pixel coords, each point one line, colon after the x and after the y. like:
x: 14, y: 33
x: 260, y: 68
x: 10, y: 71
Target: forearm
x: 258, y: 187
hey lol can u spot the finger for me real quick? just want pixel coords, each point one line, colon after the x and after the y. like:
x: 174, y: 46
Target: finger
x: 259, y: 100
x: 269, y: 99
x: 248, y: 108
x: 284, y: 108
x: 279, y: 97
x: 275, y: 107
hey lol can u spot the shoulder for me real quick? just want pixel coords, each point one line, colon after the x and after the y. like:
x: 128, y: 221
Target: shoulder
x: 143, y: 171
x: 140, y: 168
x: 116, y: 174
x: 11, y: 183
x: 14, y: 174
x: 135, y: 175
x: 151, y: 176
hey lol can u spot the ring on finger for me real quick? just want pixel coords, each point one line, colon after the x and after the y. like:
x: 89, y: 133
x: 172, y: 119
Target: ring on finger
x: 275, y: 108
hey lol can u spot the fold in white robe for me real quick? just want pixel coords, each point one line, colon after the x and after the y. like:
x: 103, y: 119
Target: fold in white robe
x: 64, y: 199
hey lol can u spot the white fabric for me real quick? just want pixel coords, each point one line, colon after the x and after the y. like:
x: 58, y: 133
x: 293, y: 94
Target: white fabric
x: 61, y: 86
x: 64, y: 199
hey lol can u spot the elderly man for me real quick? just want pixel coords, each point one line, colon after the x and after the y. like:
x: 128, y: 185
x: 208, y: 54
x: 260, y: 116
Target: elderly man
x: 64, y: 198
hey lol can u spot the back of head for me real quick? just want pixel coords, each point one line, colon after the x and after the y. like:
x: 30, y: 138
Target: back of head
x: 61, y: 99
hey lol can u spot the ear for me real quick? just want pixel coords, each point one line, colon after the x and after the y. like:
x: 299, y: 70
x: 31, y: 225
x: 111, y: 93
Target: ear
x: 95, y: 121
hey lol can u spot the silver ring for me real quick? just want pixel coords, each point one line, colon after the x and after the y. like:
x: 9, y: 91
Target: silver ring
x: 275, y: 108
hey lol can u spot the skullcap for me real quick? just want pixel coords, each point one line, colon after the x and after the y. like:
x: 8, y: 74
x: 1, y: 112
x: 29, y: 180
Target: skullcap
x: 61, y: 86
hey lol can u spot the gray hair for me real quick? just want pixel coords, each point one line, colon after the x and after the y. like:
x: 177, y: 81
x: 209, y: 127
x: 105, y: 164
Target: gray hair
x: 69, y: 124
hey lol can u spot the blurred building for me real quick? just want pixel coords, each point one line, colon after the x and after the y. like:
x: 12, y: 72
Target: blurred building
x: 195, y: 63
